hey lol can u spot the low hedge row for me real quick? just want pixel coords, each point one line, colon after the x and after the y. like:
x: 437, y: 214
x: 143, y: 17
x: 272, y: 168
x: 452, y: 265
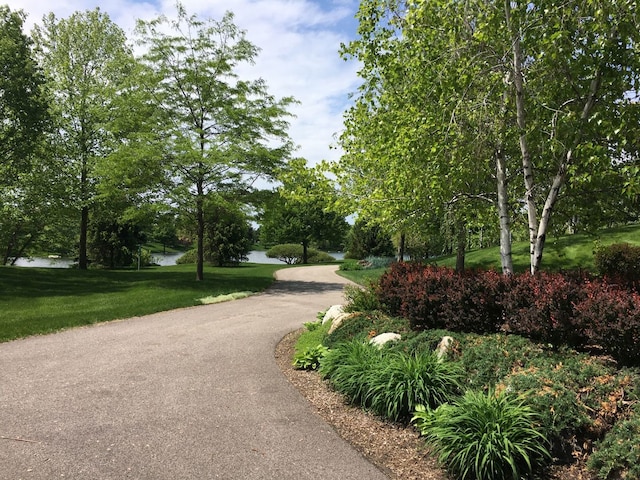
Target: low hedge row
x: 555, y: 308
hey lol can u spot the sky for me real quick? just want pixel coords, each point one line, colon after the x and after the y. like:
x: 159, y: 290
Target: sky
x: 298, y: 40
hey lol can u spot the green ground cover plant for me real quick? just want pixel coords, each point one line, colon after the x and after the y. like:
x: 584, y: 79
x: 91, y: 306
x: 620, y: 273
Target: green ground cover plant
x: 43, y: 300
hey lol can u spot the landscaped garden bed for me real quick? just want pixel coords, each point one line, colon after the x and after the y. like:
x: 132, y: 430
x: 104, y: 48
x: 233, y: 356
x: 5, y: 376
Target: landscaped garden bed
x: 547, y: 364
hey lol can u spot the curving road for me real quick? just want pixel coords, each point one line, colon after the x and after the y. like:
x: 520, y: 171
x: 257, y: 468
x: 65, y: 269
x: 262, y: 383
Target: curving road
x: 188, y: 394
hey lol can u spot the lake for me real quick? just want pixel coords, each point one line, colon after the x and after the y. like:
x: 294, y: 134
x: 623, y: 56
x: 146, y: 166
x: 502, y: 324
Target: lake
x: 163, y: 260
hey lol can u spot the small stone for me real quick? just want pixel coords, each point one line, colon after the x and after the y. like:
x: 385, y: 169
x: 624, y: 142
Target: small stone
x: 380, y: 340
x: 444, y: 346
x: 332, y: 313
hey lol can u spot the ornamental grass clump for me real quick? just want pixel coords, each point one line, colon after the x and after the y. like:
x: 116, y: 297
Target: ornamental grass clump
x: 485, y: 436
x: 352, y: 367
x: 405, y: 381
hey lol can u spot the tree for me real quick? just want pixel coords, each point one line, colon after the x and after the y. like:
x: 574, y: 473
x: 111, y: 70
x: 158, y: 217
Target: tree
x: 86, y: 60
x: 23, y: 104
x: 544, y: 90
x: 367, y: 240
x: 301, y: 212
x: 220, y: 132
x: 26, y: 201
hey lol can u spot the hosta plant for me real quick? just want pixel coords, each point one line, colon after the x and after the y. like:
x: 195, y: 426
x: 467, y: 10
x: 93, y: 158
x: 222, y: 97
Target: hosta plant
x: 310, y: 358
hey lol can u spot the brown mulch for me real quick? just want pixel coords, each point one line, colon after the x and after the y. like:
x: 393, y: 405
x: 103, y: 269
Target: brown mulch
x: 395, y: 449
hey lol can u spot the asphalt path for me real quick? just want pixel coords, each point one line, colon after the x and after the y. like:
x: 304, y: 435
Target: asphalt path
x: 193, y: 393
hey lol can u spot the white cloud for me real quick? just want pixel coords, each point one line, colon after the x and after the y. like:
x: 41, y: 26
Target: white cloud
x: 299, y: 42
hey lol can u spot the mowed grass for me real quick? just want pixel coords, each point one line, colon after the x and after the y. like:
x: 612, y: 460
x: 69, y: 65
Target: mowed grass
x: 569, y: 252
x: 41, y: 300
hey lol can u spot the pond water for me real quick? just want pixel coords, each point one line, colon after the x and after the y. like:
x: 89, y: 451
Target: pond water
x: 161, y: 259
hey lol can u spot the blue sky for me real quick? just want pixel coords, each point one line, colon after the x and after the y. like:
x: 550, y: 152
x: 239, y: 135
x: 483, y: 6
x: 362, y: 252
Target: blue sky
x: 299, y: 42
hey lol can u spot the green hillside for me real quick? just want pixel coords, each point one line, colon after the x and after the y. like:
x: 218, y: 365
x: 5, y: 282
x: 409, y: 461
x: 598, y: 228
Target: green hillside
x: 562, y: 253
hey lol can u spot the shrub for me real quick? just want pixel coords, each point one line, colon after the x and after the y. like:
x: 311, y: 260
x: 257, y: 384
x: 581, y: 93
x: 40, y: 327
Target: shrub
x: 488, y: 359
x: 188, y: 257
x: 291, y: 253
x: 310, y: 358
x: 362, y: 326
x: 360, y: 299
x: 618, y: 454
x: 472, y: 302
x: 405, y: 381
x: 485, y: 436
x: 540, y: 307
x: 620, y: 262
x: 415, y: 292
x: 610, y: 318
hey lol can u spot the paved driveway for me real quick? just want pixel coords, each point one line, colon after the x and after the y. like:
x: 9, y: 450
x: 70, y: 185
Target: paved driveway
x: 187, y: 394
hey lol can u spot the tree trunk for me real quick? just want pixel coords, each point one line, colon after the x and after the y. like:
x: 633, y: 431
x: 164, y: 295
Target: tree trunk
x: 461, y: 246
x: 305, y: 252
x: 506, y: 258
x: 200, y: 233
x: 527, y: 165
x: 83, y: 261
x: 401, y: 246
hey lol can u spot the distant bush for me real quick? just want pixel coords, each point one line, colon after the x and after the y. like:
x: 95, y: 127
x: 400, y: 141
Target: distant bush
x: 292, y: 253
x: 619, y: 262
x: 188, y: 257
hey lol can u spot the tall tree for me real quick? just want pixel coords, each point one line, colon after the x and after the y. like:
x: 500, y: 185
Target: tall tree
x: 26, y: 200
x: 540, y: 89
x: 86, y: 60
x: 220, y: 131
x: 300, y: 211
x: 23, y: 104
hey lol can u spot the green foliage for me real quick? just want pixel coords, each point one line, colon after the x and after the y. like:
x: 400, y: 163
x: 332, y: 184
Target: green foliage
x: 363, y: 326
x: 191, y: 65
x: 620, y: 261
x: 618, y: 454
x: 390, y: 383
x: 485, y: 436
x: 368, y: 241
x: 189, y: 257
x: 310, y: 358
x: 292, y: 253
x: 361, y: 299
x: 23, y: 105
x: 405, y: 381
x: 302, y: 211
x: 85, y: 94
x: 314, y: 334
x: 227, y: 232
x: 351, y: 367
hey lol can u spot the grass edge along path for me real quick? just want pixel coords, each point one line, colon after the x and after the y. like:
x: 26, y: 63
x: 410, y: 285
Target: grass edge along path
x: 36, y: 301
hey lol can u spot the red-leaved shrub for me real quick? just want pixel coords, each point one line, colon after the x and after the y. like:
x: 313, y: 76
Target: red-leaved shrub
x: 540, y: 307
x: 555, y: 308
x: 610, y: 318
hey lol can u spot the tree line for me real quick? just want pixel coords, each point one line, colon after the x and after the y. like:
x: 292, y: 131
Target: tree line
x: 512, y: 119
x: 100, y: 143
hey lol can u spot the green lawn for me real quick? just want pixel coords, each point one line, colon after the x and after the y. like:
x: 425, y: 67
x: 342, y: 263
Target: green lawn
x: 40, y: 300
x: 568, y: 252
